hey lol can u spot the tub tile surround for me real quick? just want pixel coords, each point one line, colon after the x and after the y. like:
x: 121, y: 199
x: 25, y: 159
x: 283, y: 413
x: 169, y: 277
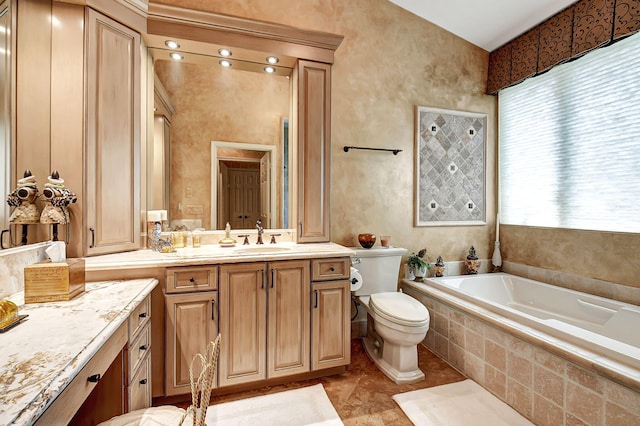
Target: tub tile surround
x: 13, y: 262
x: 543, y: 386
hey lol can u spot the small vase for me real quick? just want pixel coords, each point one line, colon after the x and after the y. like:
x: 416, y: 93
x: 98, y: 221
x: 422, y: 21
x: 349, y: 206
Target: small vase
x: 420, y: 272
x: 408, y: 273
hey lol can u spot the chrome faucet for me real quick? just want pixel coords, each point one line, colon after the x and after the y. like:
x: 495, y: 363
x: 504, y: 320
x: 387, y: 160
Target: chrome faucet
x: 260, y: 231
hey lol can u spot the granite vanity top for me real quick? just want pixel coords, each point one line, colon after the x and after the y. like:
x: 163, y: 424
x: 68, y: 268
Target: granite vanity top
x: 212, y: 254
x: 43, y: 354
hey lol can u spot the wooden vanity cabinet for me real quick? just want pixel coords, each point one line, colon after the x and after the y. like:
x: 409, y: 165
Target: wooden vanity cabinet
x: 138, y: 358
x: 191, y: 302
x: 330, y: 317
x: 265, y: 321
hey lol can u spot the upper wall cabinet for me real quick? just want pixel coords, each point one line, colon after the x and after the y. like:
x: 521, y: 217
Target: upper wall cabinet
x: 112, y: 137
x: 314, y: 149
x: 78, y: 112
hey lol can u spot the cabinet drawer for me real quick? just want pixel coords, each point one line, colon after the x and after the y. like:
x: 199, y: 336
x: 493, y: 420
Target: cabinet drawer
x: 139, y: 390
x: 139, y: 318
x: 330, y: 269
x: 182, y: 280
x: 139, y: 349
x: 71, y: 399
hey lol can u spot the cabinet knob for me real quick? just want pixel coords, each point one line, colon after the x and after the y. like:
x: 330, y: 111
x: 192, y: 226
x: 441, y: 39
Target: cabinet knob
x: 332, y: 269
x: 144, y: 347
x: 192, y: 280
x: 143, y: 381
x: 94, y: 378
x: 143, y: 315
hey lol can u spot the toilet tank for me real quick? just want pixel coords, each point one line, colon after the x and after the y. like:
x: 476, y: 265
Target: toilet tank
x: 379, y: 267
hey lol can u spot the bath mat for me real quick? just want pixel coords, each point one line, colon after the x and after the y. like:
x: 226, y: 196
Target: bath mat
x: 462, y: 403
x: 305, y: 406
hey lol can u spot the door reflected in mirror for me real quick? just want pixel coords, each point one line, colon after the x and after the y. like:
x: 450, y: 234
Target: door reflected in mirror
x: 242, y: 185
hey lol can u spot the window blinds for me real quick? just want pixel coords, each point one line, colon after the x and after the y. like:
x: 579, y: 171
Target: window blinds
x: 569, y: 144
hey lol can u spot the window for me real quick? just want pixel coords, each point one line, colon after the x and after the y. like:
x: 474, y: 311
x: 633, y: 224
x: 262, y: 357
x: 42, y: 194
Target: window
x: 569, y: 144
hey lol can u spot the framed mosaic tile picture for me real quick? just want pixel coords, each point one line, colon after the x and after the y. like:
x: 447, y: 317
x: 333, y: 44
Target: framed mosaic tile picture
x: 450, y: 185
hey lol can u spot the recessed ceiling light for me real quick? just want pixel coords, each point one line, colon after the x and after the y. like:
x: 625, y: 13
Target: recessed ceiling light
x: 225, y: 63
x: 270, y: 70
x: 273, y: 59
x: 176, y: 56
x: 172, y: 44
x: 224, y: 52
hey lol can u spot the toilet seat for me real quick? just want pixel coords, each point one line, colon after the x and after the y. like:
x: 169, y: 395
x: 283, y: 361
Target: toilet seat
x: 399, y: 309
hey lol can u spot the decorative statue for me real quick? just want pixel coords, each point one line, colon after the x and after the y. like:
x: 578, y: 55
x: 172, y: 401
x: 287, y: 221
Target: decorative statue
x: 58, y: 199
x: 471, y: 262
x: 23, y: 198
x: 439, y: 267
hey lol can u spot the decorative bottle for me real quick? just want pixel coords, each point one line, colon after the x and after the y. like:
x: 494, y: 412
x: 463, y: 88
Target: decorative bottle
x: 471, y: 262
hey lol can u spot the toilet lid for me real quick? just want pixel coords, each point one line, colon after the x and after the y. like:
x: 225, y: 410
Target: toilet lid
x: 399, y: 308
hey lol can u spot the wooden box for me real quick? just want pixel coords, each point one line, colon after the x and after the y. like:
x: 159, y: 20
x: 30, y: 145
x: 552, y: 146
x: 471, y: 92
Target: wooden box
x: 52, y: 282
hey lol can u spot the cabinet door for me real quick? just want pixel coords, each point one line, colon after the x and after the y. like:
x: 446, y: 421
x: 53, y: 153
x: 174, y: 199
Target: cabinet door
x: 288, y: 307
x: 191, y: 323
x: 330, y: 325
x: 243, y: 320
x: 314, y: 150
x: 113, y: 136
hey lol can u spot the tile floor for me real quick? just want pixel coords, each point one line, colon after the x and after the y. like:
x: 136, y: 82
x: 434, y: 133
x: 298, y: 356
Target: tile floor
x: 362, y: 395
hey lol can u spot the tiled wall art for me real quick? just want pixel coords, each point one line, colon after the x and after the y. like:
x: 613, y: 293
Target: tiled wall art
x: 449, y: 167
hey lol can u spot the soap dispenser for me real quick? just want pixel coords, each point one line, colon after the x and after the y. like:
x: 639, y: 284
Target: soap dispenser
x: 227, y: 241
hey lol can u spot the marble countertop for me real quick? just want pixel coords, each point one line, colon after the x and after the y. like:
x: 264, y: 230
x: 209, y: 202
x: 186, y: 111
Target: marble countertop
x: 216, y: 254
x: 43, y: 354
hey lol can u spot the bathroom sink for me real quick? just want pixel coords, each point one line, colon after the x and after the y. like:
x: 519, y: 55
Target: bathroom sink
x: 261, y: 250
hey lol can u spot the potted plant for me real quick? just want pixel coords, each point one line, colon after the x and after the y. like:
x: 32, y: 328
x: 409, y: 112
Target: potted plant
x: 418, y: 266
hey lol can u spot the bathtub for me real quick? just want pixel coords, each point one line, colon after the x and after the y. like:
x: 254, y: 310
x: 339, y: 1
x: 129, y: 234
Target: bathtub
x: 605, y: 329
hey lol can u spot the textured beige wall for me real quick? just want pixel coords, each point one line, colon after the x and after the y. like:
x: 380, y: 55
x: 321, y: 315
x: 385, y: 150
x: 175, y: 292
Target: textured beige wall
x: 216, y: 104
x: 390, y: 61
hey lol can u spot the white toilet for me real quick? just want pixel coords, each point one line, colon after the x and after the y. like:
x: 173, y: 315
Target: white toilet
x: 396, y: 322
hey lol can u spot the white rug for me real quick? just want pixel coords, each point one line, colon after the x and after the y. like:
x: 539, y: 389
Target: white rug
x: 297, y: 407
x: 462, y: 403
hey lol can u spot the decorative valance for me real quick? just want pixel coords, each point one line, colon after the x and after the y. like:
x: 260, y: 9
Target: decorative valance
x: 581, y: 27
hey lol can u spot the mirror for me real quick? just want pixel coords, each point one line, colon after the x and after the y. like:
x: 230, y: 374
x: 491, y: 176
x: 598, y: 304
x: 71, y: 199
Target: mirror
x: 5, y: 111
x: 224, y: 121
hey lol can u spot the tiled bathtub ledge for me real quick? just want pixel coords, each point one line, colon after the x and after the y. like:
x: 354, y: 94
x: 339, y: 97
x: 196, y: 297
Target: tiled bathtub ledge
x: 547, y: 380
x: 602, y: 288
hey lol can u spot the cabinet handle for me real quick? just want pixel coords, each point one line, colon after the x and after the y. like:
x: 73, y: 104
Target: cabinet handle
x: 300, y: 227
x: 316, y: 303
x: 94, y: 378
x: 213, y: 310
x: 273, y: 277
x: 143, y: 381
x: 93, y: 238
x: 264, y: 277
x: 144, y: 347
x: 143, y: 315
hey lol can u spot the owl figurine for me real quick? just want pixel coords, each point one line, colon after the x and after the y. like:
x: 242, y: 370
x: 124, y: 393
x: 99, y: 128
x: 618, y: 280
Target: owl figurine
x: 58, y: 198
x: 23, y: 198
